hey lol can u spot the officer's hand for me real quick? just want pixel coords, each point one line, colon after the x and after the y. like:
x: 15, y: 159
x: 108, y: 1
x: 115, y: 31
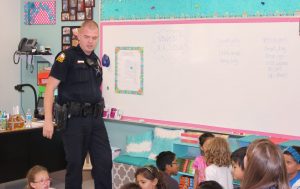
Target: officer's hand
x: 48, y: 129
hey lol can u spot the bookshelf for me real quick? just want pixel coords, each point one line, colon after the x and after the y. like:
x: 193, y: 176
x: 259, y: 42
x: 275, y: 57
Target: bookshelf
x: 185, y: 153
x: 185, y: 174
x: 183, y: 150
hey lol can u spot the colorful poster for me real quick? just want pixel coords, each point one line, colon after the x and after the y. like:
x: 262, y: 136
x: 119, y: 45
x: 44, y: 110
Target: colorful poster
x: 129, y: 75
x: 42, y: 12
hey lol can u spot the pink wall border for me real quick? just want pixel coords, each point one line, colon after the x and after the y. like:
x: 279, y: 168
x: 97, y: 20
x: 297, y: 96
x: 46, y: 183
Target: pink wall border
x: 192, y: 126
x: 201, y: 127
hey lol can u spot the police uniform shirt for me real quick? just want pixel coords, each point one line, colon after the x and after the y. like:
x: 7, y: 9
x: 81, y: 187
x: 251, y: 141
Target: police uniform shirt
x: 80, y: 82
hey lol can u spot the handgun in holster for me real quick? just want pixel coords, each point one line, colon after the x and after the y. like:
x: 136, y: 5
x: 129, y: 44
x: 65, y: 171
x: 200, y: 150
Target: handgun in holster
x: 61, y: 116
x: 98, y: 110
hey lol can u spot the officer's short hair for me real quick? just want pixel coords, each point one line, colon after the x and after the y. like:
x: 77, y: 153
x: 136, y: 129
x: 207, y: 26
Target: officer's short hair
x: 90, y: 24
x: 163, y: 159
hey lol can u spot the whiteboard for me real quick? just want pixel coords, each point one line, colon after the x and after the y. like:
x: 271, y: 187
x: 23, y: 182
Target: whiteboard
x: 241, y: 74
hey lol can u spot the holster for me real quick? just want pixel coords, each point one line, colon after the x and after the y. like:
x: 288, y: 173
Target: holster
x: 77, y: 109
x: 61, y: 116
x: 98, y: 109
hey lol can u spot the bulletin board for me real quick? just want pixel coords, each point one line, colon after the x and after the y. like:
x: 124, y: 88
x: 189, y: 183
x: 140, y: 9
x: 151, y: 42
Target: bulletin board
x: 191, y: 9
x: 239, y: 75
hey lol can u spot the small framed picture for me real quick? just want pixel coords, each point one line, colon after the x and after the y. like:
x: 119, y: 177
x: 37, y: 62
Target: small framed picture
x: 88, y: 13
x: 69, y: 36
x: 80, y: 5
x: 73, y: 14
x: 66, y: 30
x: 89, y: 3
x: 75, y: 32
x: 65, y: 16
x: 66, y: 39
x: 73, y: 3
x: 65, y: 5
x: 77, y: 10
x: 80, y: 15
x: 75, y: 40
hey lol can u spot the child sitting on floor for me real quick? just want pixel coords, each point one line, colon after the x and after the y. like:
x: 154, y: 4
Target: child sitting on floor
x: 149, y: 177
x: 38, y: 178
x: 131, y: 185
x: 167, y: 164
x: 264, y: 166
x: 292, y: 162
x: 217, y: 156
x: 237, y: 162
x: 211, y: 184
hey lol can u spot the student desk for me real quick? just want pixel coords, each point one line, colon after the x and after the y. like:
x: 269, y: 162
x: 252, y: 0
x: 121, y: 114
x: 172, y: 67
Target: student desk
x: 22, y: 149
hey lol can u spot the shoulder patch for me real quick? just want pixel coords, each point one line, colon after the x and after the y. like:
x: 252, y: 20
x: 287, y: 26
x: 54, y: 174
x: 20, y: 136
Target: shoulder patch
x: 61, y: 57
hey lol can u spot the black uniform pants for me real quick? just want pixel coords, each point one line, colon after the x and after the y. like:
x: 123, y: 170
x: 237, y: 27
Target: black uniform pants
x: 82, y: 135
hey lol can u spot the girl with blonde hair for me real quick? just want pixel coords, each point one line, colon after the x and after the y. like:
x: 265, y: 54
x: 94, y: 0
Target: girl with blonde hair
x: 217, y: 156
x: 38, y: 178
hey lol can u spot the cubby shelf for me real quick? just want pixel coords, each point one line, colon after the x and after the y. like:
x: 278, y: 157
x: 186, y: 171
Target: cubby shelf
x: 185, y: 174
x: 185, y: 151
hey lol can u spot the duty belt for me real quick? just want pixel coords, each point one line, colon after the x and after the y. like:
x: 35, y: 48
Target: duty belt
x: 77, y: 109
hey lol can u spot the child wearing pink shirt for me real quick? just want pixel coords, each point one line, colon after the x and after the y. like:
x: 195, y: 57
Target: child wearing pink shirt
x: 199, y: 163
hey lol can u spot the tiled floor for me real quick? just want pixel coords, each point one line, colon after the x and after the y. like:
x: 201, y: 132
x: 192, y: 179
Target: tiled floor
x: 57, y: 183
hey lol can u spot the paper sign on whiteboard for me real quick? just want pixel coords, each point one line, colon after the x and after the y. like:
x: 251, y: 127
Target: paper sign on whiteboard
x: 129, y: 75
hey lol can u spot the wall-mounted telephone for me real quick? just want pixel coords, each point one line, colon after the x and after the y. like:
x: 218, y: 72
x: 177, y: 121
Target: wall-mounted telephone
x: 26, y: 45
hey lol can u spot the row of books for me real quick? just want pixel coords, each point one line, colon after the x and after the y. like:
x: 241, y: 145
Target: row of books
x: 186, y: 182
x: 186, y: 165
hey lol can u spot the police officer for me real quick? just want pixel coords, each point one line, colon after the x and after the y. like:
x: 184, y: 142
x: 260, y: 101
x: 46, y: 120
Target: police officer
x: 77, y: 74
